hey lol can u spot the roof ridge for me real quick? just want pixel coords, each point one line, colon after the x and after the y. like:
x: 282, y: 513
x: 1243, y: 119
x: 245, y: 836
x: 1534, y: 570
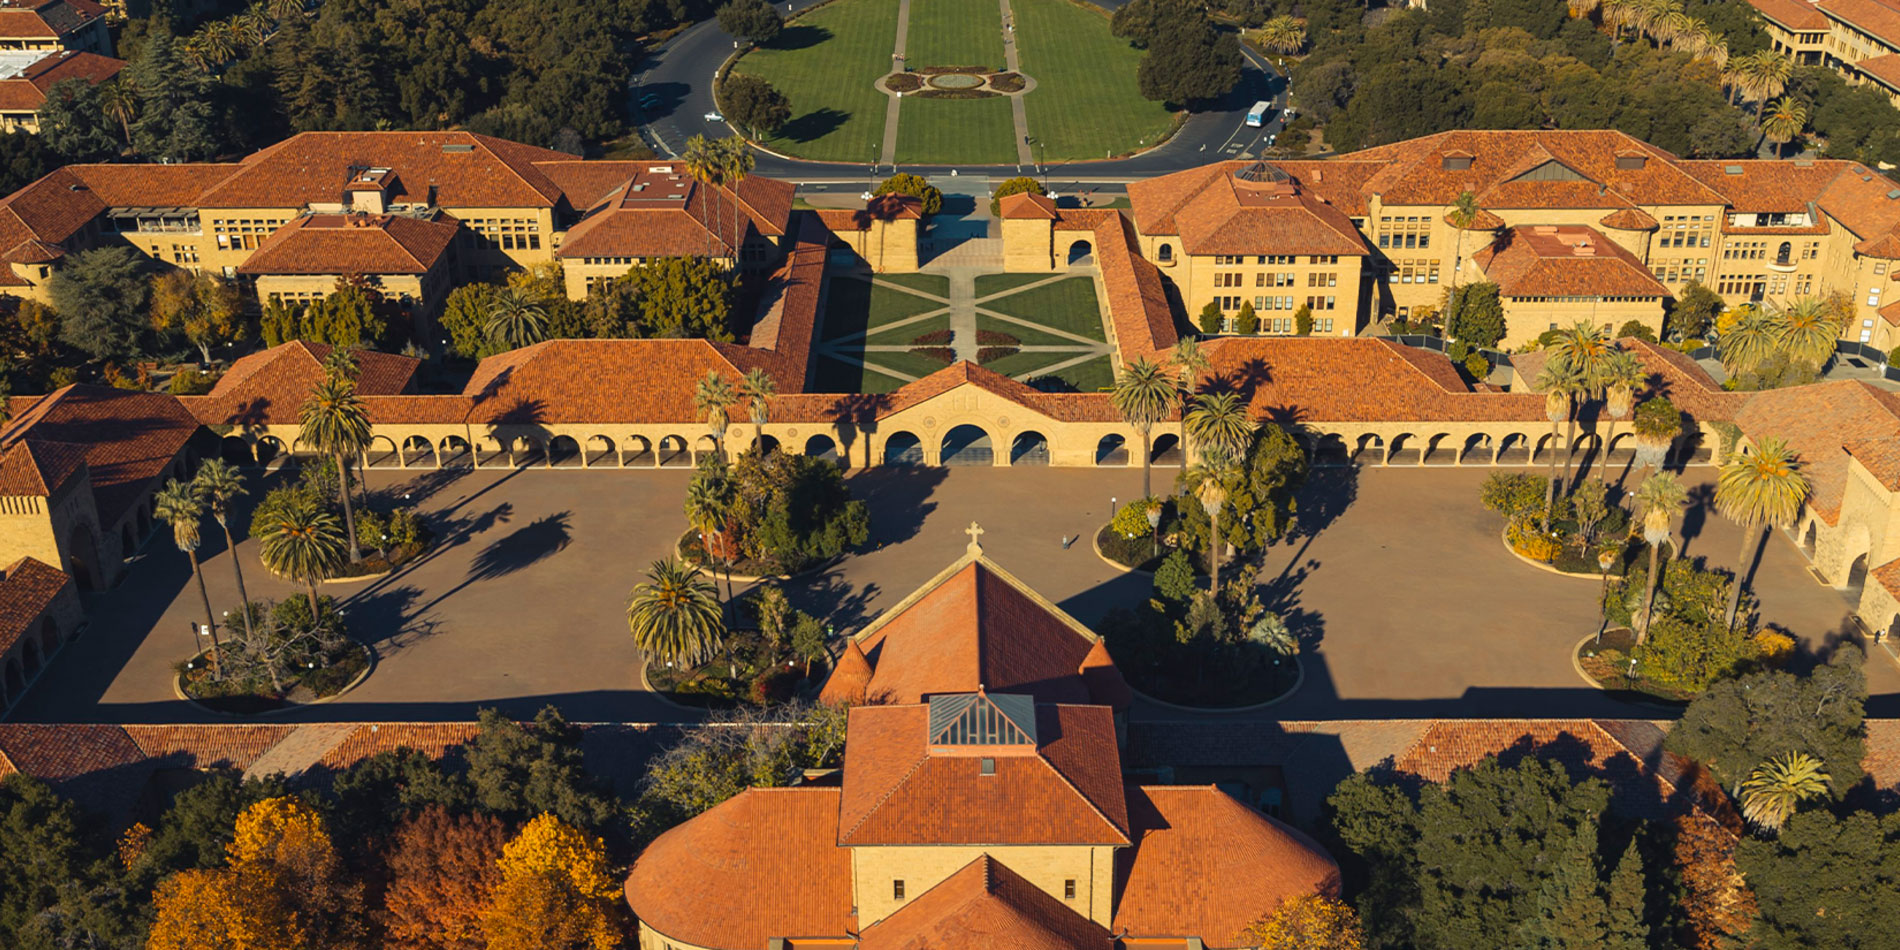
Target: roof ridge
x: 844, y: 833
x: 1097, y: 809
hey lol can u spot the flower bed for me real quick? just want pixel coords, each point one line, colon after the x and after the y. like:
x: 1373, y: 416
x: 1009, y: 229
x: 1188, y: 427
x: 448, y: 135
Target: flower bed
x: 941, y: 354
x: 1140, y: 553
x: 747, y: 671
x: 936, y: 338
x: 904, y: 82
x: 954, y: 94
x: 1608, y: 665
x: 990, y: 354
x: 693, y: 549
x: 252, y: 695
x: 995, y: 338
x: 1006, y: 82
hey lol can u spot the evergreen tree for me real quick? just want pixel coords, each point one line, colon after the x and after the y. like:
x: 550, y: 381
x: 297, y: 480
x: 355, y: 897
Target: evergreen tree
x: 1570, y: 912
x: 175, y: 122
x: 1624, y: 925
x: 74, y: 122
x: 100, y: 295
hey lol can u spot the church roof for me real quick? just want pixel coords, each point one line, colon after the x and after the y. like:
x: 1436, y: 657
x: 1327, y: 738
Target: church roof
x: 985, y: 905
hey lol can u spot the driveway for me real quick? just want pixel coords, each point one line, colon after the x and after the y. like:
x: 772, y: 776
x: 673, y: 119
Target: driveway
x: 1412, y: 604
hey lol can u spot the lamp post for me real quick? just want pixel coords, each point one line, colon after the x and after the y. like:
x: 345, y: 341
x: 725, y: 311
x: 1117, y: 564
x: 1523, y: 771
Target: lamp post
x: 1112, y: 507
x: 1605, y: 558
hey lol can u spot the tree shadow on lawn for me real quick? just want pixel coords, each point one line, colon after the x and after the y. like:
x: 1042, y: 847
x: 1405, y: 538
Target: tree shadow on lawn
x: 813, y: 125
x: 799, y: 36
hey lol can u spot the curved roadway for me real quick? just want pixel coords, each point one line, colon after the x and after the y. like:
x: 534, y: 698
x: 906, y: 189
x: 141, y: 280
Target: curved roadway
x: 672, y: 94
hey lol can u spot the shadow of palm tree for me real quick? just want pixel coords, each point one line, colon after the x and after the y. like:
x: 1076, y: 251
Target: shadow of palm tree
x: 536, y: 541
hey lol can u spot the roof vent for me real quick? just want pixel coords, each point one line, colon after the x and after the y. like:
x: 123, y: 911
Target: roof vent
x: 1457, y: 163
x: 661, y: 169
x: 1731, y: 169
x: 1631, y: 162
x: 1893, y: 194
x: 458, y: 147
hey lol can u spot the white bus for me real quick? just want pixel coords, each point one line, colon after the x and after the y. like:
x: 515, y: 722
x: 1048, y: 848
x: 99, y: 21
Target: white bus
x: 1257, y: 116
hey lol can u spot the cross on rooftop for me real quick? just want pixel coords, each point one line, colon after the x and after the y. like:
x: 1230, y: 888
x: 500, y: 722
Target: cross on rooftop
x: 975, y: 531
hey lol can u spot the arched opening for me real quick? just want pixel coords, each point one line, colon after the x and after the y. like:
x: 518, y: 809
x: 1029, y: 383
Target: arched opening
x: 1692, y: 449
x: 1165, y: 253
x: 382, y: 453
x: 822, y: 447
x: 524, y: 452
x: 1331, y: 450
x: 16, y: 680
x: 1807, y: 539
x: 1029, y: 448
x: 1080, y: 253
x: 564, y: 451
x: 1439, y: 451
x: 1784, y: 254
x: 1477, y: 450
x: 417, y: 450
x: 1622, y: 451
x: 768, y: 445
x: 1369, y: 450
x: 1545, y: 446
x: 703, y: 446
x: 1111, y: 450
x: 30, y: 653
x: 1404, y: 450
x: 600, y: 451
x: 270, y: 449
x: 1166, y: 450
x: 489, y: 451
x: 1589, y: 453
x: 454, y: 451
x: 82, y: 559
x: 235, y: 450
x: 903, y: 448
x: 1856, y: 580
x: 674, y: 454
x: 49, y: 636
x: 1514, y: 450
x: 638, y: 453
x: 967, y: 445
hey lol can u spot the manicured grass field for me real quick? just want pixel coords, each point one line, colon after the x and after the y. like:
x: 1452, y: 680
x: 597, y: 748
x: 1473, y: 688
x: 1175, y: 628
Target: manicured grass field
x: 956, y: 131
x: 987, y: 284
x: 826, y: 63
x: 1067, y: 305
x: 1089, y: 376
x: 955, y: 33
x: 837, y: 376
x: 1023, y: 334
x: 898, y: 335
x: 854, y: 306
x: 928, y: 283
x: 1085, y: 104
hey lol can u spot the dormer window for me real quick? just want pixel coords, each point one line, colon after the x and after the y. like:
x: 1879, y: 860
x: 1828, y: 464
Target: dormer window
x: 980, y: 719
x: 1456, y: 162
x: 1631, y: 162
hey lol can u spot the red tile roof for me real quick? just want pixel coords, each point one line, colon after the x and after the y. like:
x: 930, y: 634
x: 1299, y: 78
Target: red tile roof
x: 899, y: 791
x: 1205, y: 865
x: 205, y: 747
x: 1241, y: 208
x: 270, y: 386
x: 763, y: 864
x: 447, y: 169
x: 350, y: 244
x: 561, y: 381
x: 1792, y: 15
x: 1629, y: 219
x: 27, y: 590
x: 1415, y: 172
x: 26, y: 92
x: 1817, y: 421
x: 1025, y: 206
x: 1567, y: 260
x: 130, y: 438
x: 885, y: 207
x: 662, y: 211
x: 39, y: 468
x: 48, y: 19
x: 1874, y: 17
x: 1884, y: 69
x: 850, y: 679
x: 985, y: 904
x: 978, y: 628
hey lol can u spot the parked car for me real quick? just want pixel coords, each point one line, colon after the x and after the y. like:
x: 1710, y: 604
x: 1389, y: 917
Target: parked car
x: 714, y: 116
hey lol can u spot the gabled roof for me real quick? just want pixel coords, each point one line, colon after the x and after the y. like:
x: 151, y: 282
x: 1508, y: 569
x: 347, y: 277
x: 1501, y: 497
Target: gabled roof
x: 1207, y: 866
x: 605, y: 380
x: 1241, y: 208
x: 447, y: 169
x: 662, y: 211
x: 26, y: 92
x: 347, y: 244
x: 46, y: 19
x: 270, y: 386
x: 974, y: 626
x: 889, y: 206
x: 1819, y: 421
x: 1565, y: 260
x: 128, y: 438
x: 763, y: 864
x: 1878, y: 19
x: 39, y: 468
x: 1023, y: 205
x: 27, y: 589
x: 1792, y: 15
x: 985, y: 905
x: 1502, y: 164
x: 1629, y: 219
x: 900, y: 790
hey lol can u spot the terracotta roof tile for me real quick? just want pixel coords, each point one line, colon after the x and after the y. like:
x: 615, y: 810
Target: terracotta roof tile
x: 1882, y: 760
x: 1025, y: 206
x: 1565, y: 261
x: 1818, y: 421
x: 152, y: 186
x: 850, y: 679
x: 662, y: 211
x: 1629, y: 219
x: 1206, y: 865
x: 1241, y: 208
x: 885, y: 207
x: 559, y: 381
x: 1878, y: 19
x: 27, y: 91
x: 205, y: 747
x: 1793, y: 15
x: 433, y: 739
x: 985, y: 904
x: 763, y: 864
x: 47, y: 20
x: 447, y: 169
x: 130, y: 438
x: 27, y: 589
x: 350, y: 244
x: 39, y: 468
x: 268, y: 387
x: 97, y: 766
x: 1882, y: 69
x: 1415, y: 172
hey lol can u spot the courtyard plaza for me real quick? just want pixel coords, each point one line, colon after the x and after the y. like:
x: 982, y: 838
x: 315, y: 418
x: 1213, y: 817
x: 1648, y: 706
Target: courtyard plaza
x: 1406, y: 600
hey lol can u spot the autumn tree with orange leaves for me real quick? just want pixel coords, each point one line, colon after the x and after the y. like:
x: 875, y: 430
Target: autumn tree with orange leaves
x: 442, y: 871
x: 1717, y: 905
x: 556, y: 893
x: 1310, y: 922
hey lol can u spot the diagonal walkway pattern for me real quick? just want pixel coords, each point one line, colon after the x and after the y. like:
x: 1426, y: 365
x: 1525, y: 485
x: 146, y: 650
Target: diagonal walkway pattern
x: 1016, y: 111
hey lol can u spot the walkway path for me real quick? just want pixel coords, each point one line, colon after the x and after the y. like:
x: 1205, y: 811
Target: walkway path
x: 963, y: 312
x: 888, y: 156
x: 1016, y: 111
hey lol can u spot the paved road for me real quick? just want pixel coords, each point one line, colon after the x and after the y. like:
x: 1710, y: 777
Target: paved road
x: 672, y: 94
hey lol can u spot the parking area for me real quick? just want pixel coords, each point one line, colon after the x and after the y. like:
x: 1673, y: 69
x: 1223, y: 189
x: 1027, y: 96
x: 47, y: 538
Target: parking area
x: 1411, y: 604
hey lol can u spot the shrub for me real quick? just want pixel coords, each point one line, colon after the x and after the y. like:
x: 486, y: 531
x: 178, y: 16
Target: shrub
x: 934, y: 338
x: 995, y: 338
x: 1210, y: 320
x: 1132, y: 520
x: 1774, y: 647
x: 1477, y: 365
x: 1548, y: 337
x: 1689, y: 655
x: 905, y: 82
x: 1637, y: 329
x: 1174, y: 579
x: 1006, y: 82
x: 1893, y: 358
x: 191, y: 382
x: 1247, y: 321
x: 941, y: 354
x: 775, y: 685
x: 1518, y: 496
x: 1303, y: 321
x: 990, y: 354
x: 1527, y: 540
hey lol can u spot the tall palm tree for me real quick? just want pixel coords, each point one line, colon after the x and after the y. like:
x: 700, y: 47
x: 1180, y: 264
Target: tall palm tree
x: 735, y: 163
x: 1782, y: 120
x: 1748, y: 342
x: 335, y: 423
x: 1582, y: 8
x: 218, y: 484
x: 1208, y: 479
x: 1622, y: 374
x: 1660, y: 498
x: 758, y: 389
x: 1617, y: 15
x: 1283, y: 34
x: 1585, y: 349
x: 1759, y: 490
x: 703, y: 162
x: 281, y: 10
x: 1777, y: 787
x: 515, y: 319
x: 253, y: 26
x: 675, y: 616
x: 712, y: 397
x: 709, y: 499
x: 1759, y: 76
x: 1658, y: 424
x: 1462, y: 217
x: 1144, y: 394
x: 177, y: 505
x: 219, y: 41
x: 119, y: 101
x: 1270, y: 633
x: 1807, y: 329
x: 301, y: 540
x: 1190, y: 361
x: 1219, y: 420
x: 1554, y: 381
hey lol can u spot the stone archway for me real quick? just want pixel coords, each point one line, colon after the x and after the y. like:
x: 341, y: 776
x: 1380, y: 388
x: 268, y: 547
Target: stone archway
x: 31, y: 659
x: 236, y: 450
x: 1856, y: 583
x: 638, y: 453
x: 82, y: 559
x: 454, y: 450
x: 1476, y: 451
x: 1514, y: 450
x: 1029, y: 448
x: 1370, y: 450
x: 599, y: 452
x: 822, y: 447
x: 1439, y: 451
x: 1166, y: 450
x: 674, y: 454
x: 564, y: 451
x: 382, y: 453
x: 15, y: 679
x: 49, y: 636
x: 1081, y: 254
x: 966, y: 445
x: 1111, y: 450
x: 417, y: 449
x: 903, y: 448
x: 1404, y: 450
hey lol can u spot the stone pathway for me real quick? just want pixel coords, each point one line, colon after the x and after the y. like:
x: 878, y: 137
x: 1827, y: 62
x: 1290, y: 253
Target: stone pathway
x: 888, y: 155
x: 1023, y: 155
x: 963, y: 312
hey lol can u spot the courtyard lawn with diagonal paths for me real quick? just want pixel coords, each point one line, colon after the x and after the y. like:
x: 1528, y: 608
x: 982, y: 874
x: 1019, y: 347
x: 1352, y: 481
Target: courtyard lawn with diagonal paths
x: 954, y: 33
x: 1086, y: 103
x: 855, y: 307
x: 827, y: 64
x: 871, y: 326
x: 1057, y: 323
x: 1067, y: 304
x: 956, y: 131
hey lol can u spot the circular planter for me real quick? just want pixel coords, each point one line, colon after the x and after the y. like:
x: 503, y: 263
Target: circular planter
x: 178, y: 690
x: 1095, y: 542
x: 1620, y: 695
x: 956, y: 81
x: 1299, y: 680
x: 679, y: 550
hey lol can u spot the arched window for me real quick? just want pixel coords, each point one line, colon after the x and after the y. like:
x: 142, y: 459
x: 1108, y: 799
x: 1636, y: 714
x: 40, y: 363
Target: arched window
x: 1165, y: 253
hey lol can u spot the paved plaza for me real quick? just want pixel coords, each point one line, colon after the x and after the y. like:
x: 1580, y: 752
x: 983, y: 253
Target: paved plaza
x: 1411, y: 605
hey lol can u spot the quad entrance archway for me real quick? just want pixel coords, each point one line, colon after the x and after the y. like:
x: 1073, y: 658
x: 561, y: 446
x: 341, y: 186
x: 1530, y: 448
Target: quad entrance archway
x: 967, y: 445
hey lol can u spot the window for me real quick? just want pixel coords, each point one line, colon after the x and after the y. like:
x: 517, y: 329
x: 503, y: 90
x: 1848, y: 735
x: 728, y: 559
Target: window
x: 1165, y: 253
x: 897, y: 890
x: 1325, y: 259
x: 1880, y: 267
x: 1317, y: 279
x: 1227, y: 280
x: 1229, y: 303
x: 1275, y: 259
x: 1068, y: 889
x: 1323, y: 324
x: 988, y: 766
x: 1228, y: 259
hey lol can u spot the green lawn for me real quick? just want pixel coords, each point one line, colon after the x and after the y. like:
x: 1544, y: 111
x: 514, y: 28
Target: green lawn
x: 1068, y: 305
x: 902, y: 336
x: 826, y: 62
x: 955, y: 33
x: 1089, y: 376
x: 956, y: 131
x: 1023, y: 334
x: 837, y: 376
x: 854, y: 306
x: 1085, y: 104
x: 928, y: 283
x: 987, y: 284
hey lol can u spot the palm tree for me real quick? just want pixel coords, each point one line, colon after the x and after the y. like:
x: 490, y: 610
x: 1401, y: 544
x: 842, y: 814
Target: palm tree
x: 1219, y: 420
x: 1585, y: 349
x: 674, y: 617
x: 1208, y: 479
x: 300, y: 540
x: 219, y: 42
x: 735, y: 163
x: 709, y: 499
x: 119, y: 101
x: 177, y: 505
x: 281, y: 10
x: 1462, y: 217
x: 758, y: 389
x: 1144, y: 394
x: 1759, y: 76
x: 1782, y: 120
x: 253, y: 26
x: 515, y: 320
x: 712, y: 397
x: 1658, y: 423
x: 1622, y: 375
x: 1555, y: 383
x: 1283, y: 34
x: 1660, y: 498
x: 1618, y: 14
x: 335, y: 423
x: 218, y: 483
x: 1582, y: 8
x: 1808, y: 328
x: 1271, y: 633
x: 1190, y: 362
x: 1748, y: 342
x: 703, y: 162
x: 1777, y: 787
x: 1759, y: 490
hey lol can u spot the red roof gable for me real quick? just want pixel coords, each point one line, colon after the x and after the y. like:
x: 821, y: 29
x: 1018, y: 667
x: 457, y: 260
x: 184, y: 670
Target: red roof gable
x: 988, y: 905
x: 1566, y: 260
x: 343, y: 244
